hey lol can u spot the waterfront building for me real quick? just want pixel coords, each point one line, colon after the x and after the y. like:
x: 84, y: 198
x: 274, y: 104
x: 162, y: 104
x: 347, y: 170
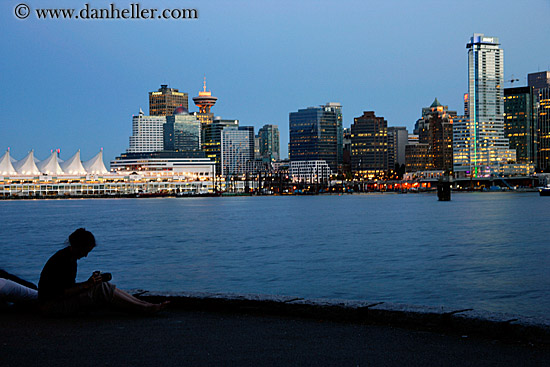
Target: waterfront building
x: 269, y: 143
x: 237, y: 150
x: 191, y: 164
x: 520, y: 112
x: 147, y: 133
x: 95, y: 164
x: 164, y: 101
x: 461, y: 144
x: 314, y: 135
x: 205, y: 101
x: 435, y: 128
x: 6, y: 167
x: 27, y: 165
x: 50, y: 165
x: 418, y: 157
x: 73, y: 165
x: 182, y: 131
x: 541, y: 89
x: 369, y: 145
x: 313, y: 172
x: 212, y: 139
x: 398, y: 138
x: 488, y: 149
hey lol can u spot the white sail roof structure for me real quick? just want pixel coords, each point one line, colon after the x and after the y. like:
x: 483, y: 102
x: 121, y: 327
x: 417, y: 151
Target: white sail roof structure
x: 26, y: 166
x: 50, y: 165
x: 95, y: 165
x: 6, y: 168
x: 73, y: 165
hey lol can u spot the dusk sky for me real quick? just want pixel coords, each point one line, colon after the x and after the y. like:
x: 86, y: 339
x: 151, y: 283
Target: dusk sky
x: 75, y: 84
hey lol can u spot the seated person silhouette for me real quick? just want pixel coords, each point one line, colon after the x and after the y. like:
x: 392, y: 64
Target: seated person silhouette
x: 58, y: 292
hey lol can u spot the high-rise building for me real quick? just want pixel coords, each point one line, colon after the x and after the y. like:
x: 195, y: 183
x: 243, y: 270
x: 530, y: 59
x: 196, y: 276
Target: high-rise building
x: 520, y: 111
x: 346, y: 142
x: 182, y: 131
x: 398, y: 138
x: 257, y: 155
x: 488, y: 149
x: 539, y: 80
x: 369, y: 144
x: 314, y: 135
x: 212, y: 139
x: 237, y: 149
x: 269, y: 143
x: 147, y: 133
x: 435, y: 128
x: 418, y: 157
x: 164, y: 101
x: 337, y: 109
x: 205, y: 101
x: 541, y: 89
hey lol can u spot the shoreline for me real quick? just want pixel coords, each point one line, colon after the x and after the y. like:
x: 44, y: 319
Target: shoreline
x: 499, y: 326
x: 173, y: 196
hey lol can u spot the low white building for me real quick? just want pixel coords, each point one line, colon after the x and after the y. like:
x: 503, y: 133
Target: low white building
x: 309, y: 171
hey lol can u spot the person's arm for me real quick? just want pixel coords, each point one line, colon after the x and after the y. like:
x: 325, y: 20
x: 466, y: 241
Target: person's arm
x: 84, y: 286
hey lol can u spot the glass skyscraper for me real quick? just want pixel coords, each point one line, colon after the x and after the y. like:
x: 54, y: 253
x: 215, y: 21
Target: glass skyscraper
x: 269, y: 143
x: 237, y: 149
x: 314, y: 135
x: 520, y: 122
x: 488, y: 149
x: 182, y: 132
x: 541, y: 88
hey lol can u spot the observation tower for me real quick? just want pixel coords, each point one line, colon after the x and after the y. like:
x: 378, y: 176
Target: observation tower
x: 204, y: 102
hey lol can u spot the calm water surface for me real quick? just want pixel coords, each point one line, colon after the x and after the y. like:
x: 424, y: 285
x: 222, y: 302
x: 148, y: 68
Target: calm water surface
x: 484, y: 251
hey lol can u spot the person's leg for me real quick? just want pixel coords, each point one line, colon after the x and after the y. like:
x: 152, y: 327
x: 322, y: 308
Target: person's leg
x: 12, y: 291
x: 128, y: 302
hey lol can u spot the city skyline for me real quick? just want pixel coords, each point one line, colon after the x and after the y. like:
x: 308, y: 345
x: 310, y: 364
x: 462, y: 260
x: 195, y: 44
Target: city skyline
x: 79, y: 92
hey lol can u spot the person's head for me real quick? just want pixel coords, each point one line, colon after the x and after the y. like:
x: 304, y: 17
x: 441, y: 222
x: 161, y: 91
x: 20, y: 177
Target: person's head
x: 82, y: 242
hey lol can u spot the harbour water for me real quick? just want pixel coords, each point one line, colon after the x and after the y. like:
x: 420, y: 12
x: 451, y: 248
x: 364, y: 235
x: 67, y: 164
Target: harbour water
x: 487, y: 251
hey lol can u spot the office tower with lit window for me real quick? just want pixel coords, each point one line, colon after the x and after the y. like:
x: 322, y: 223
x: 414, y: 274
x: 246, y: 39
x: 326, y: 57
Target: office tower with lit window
x: 541, y: 89
x: 488, y: 148
x: 314, y: 135
x: 369, y: 144
x: 164, y: 101
x: 520, y: 110
x: 435, y: 128
x: 269, y: 143
x: 418, y: 157
x: 212, y: 139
